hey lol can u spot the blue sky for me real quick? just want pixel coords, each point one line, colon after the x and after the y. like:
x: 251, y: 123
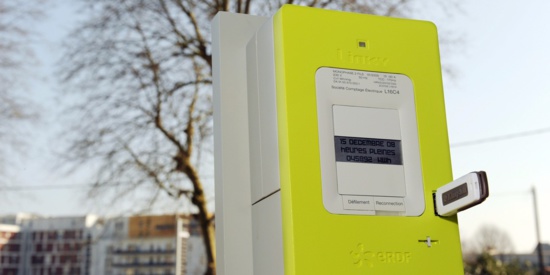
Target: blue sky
x: 502, y: 88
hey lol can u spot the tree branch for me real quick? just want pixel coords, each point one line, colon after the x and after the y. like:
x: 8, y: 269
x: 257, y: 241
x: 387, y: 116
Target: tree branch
x: 391, y: 10
x: 152, y: 174
x: 247, y: 7
x: 198, y: 34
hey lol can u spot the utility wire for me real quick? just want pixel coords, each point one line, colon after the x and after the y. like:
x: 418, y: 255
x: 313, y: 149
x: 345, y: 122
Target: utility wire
x: 454, y: 145
x: 66, y: 186
x: 29, y: 187
x: 45, y: 187
x: 501, y: 138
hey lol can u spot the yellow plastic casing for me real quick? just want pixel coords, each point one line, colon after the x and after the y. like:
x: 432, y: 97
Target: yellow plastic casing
x: 314, y: 240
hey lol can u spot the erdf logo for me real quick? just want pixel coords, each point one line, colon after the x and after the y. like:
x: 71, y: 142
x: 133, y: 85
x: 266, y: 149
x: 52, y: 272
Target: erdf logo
x: 361, y: 256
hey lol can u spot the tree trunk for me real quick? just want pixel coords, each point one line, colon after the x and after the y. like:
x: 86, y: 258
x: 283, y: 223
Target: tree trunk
x: 205, y: 219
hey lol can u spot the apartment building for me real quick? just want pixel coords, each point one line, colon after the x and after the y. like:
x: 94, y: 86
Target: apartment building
x: 152, y: 245
x: 528, y: 259
x: 144, y: 245
x: 17, y: 219
x: 59, y: 245
x: 10, y: 249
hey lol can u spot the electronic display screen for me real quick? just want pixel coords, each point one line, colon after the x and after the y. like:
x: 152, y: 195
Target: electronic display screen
x: 368, y: 150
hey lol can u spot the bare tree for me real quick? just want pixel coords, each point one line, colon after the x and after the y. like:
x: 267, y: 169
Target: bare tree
x: 492, y: 240
x: 16, y: 56
x: 481, y: 254
x: 140, y: 73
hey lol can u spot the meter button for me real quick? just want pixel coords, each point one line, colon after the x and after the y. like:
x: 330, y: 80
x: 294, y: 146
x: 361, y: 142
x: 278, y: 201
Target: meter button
x: 389, y: 204
x: 358, y: 203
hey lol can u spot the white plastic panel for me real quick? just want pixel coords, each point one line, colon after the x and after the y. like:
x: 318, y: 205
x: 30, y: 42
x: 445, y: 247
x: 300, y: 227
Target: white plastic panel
x: 267, y: 115
x: 264, y: 154
x: 268, y: 236
x: 254, y: 123
x: 370, y: 179
x: 366, y: 122
x: 368, y: 107
x: 262, y: 114
x: 230, y: 33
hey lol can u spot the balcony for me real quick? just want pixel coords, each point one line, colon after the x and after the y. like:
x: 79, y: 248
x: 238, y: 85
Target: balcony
x: 142, y: 265
x: 143, y: 252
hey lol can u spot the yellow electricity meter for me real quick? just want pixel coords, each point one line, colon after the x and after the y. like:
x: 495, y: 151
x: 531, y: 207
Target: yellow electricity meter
x: 345, y: 144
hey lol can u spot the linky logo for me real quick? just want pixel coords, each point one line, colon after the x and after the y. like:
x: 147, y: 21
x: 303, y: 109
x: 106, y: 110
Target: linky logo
x: 348, y: 56
x: 361, y: 256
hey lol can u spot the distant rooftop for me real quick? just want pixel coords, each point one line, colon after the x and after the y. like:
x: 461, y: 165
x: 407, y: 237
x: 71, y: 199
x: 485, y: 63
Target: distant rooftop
x: 545, y: 248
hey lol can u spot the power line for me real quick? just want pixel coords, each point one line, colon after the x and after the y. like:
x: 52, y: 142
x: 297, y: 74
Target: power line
x: 501, y: 138
x: 44, y: 187
x: 62, y: 186
x: 67, y: 186
x: 454, y: 145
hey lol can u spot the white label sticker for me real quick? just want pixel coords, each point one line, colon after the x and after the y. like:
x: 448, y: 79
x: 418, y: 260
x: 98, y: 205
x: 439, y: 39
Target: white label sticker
x: 365, y: 82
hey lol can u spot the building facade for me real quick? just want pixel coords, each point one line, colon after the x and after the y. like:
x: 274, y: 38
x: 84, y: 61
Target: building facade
x: 136, y: 245
x: 145, y: 245
x: 58, y: 245
x: 10, y: 249
x: 528, y: 259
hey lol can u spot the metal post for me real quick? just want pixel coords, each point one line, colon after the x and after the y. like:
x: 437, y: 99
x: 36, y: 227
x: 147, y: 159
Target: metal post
x: 539, y: 244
